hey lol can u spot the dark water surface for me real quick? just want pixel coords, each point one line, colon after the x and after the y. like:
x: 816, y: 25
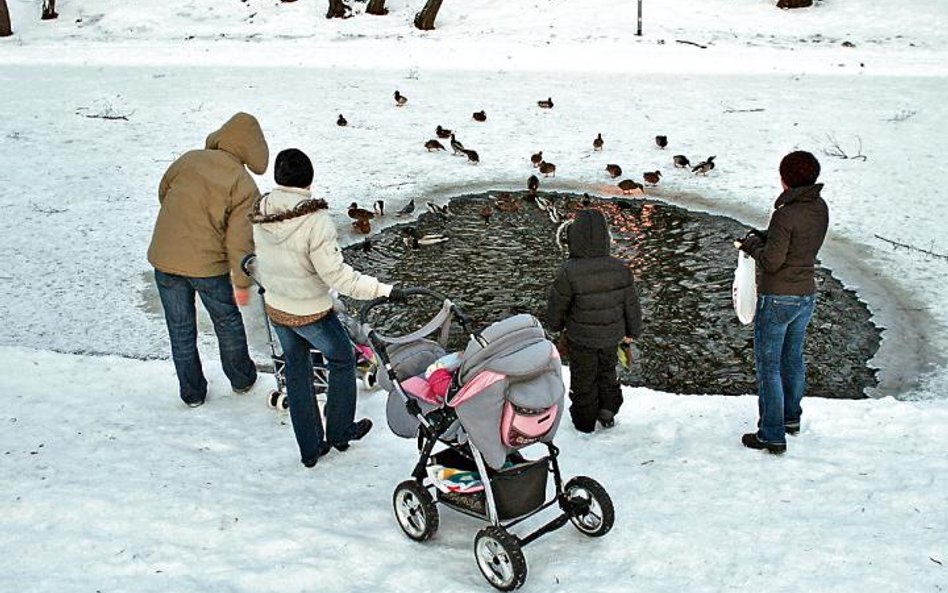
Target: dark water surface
x: 683, y: 262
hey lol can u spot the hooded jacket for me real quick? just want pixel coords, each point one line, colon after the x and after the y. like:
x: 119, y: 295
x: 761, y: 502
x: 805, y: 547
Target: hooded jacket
x: 298, y: 255
x: 205, y: 196
x: 593, y: 296
x: 787, y: 259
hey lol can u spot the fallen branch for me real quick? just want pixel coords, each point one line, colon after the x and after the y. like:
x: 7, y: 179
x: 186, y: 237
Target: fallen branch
x: 835, y: 150
x: 46, y: 210
x: 109, y: 116
x: 899, y: 245
x: 685, y: 42
x: 728, y: 109
x: 903, y: 115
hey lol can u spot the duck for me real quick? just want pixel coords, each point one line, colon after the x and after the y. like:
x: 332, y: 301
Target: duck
x: 433, y: 145
x: 357, y: 213
x: 407, y: 208
x: 456, y: 145
x: 362, y: 226
x: 548, y: 169
x: 379, y: 208
x: 681, y: 161
x: 486, y: 213
x: 704, y: 167
x: 628, y: 186
x: 438, y: 209
x: 613, y: 170
x: 586, y: 201
x: 533, y: 184
x: 472, y: 156
x: 652, y: 177
x: 536, y: 159
x: 443, y: 133
x: 341, y: 122
x: 506, y: 203
x: 661, y: 141
x: 400, y: 99
x: 366, y: 245
x: 416, y: 240
x: 546, y: 104
x: 480, y: 115
x: 598, y: 142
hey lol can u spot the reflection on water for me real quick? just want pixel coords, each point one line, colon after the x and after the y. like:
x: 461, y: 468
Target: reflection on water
x: 684, y: 262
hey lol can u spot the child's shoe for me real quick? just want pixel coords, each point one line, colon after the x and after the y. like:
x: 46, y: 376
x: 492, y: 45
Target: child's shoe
x: 607, y: 418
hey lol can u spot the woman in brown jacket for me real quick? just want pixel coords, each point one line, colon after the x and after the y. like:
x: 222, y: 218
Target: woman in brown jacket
x: 201, y: 235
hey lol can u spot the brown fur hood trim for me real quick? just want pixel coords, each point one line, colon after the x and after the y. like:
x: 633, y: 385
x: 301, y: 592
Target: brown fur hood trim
x: 302, y: 209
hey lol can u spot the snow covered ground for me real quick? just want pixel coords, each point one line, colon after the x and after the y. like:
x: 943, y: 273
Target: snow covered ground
x: 110, y: 484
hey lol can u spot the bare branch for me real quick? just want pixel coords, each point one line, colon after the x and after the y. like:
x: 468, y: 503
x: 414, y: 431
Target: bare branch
x: 898, y: 245
x: 685, y: 42
x: 903, y: 115
x: 46, y: 209
x: 836, y: 150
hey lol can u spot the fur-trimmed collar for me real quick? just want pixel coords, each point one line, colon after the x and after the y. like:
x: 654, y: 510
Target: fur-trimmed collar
x: 304, y: 207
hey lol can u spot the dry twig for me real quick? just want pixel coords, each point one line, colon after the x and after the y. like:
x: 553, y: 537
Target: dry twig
x: 898, y: 245
x: 685, y: 42
x: 835, y: 150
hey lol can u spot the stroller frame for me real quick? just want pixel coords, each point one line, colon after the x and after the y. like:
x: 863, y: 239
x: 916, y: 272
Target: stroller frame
x: 277, y: 398
x: 498, y: 552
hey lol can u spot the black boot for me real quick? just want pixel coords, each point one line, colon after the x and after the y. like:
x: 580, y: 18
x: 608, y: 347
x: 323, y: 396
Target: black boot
x: 752, y: 441
x: 359, y: 430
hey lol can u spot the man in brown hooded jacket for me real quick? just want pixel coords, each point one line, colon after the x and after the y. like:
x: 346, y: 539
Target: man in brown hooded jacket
x: 201, y: 236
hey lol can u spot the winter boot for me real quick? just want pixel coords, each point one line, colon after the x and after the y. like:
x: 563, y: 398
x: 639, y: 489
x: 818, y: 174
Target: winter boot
x: 752, y: 441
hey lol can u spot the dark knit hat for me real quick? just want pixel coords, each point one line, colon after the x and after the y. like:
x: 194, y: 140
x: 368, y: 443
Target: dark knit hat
x: 293, y: 168
x: 799, y: 169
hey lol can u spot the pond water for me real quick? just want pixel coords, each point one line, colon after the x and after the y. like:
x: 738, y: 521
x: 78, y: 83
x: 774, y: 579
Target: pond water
x: 684, y: 265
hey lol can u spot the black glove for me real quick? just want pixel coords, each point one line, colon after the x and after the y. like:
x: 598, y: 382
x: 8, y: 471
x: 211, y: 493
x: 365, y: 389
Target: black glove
x: 751, y: 243
x: 758, y: 233
x: 397, y: 295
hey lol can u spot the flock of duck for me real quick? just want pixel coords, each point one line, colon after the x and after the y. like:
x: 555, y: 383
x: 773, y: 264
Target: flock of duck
x: 361, y: 217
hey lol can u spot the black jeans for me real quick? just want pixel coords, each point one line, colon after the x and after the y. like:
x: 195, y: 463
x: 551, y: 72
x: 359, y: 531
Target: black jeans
x: 593, y: 384
x: 177, y: 298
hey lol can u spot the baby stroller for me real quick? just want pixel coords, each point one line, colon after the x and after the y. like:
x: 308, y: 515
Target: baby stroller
x: 366, y: 363
x: 507, y: 394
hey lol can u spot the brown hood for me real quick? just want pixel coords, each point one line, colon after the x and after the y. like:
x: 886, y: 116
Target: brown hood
x: 242, y: 137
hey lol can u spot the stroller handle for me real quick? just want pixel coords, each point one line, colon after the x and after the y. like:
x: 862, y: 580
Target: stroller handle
x: 456, y: 311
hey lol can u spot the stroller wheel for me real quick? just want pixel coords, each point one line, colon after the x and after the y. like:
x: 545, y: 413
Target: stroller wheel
x: 415, y: 510
x: 370, y: 379
x: 589, y: 506
x: 283, y: 403
x: 273, y: 397
x: 500, y: 558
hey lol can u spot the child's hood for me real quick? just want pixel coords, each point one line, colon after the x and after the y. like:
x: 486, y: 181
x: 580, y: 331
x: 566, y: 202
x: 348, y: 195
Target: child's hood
x: 588, y: 235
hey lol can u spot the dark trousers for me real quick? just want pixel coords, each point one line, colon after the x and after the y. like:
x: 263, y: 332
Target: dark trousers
x: 593, y: 384
x: 217, y: 295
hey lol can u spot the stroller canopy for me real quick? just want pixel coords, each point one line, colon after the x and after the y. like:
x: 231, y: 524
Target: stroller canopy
x: 512, y: 388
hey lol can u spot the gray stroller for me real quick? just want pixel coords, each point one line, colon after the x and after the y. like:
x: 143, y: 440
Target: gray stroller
x: 506, y: 395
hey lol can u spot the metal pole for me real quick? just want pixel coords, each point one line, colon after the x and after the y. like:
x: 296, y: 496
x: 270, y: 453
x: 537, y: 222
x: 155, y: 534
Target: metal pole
x: 639, y: 30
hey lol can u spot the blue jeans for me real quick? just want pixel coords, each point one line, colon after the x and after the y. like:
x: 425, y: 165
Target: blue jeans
x: 328, y: 336
x: 217, y: 295
x: 779, y: 332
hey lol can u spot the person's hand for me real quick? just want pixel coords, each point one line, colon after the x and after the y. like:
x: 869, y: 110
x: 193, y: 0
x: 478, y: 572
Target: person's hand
x: 397, y: 295
x: 751, y: 243
x: 242, y: 296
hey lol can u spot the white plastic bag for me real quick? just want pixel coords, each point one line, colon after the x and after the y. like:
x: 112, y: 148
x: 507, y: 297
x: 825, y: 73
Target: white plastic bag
x: 744, y: 290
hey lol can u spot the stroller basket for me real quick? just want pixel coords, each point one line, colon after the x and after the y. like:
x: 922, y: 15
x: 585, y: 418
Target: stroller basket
x: 518, y: 490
